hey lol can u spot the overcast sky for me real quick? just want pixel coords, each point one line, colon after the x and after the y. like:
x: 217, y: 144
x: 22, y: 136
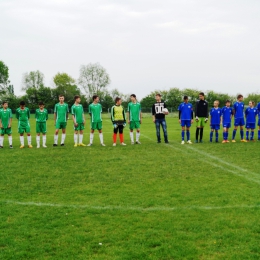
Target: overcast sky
x: 143, y: 44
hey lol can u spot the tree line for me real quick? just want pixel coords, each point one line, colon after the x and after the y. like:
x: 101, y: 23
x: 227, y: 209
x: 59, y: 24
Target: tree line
x: 93, y: 79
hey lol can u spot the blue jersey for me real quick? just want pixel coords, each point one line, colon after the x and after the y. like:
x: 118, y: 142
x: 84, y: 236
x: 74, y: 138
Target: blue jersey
x: 251, y: 114
x: 238, y: 110
x: 258, y: 109
x: 226, y: 115
x: 215, y: 115
x: 185, y: 110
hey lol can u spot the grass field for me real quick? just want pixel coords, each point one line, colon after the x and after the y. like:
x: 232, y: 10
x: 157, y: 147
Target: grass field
x: 148, y: 201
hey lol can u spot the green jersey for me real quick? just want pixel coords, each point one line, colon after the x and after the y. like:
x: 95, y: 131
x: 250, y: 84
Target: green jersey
x: 41, y: 115
x: 23, y: 115
x: 78, y: 112
x: 5, y: 116
x: 61, y: 111
x: 134, y: 110
x: 95, y: 111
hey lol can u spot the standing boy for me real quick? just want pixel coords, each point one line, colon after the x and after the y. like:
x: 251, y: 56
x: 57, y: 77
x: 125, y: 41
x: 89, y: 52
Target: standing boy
x: 238, y: 112
x: 118, y: 120
x: 226, y: 113
x: 41, y: 115
x: 258, y: 111
x: 6, y: 124
x: 78, y: 118
x: 215, y: 120
x: 61, y: 112
x: 23, y: 116
x: 185, y: 118
x: 201, y: 116
x: 159, y: 118
x: 250, y: 114
x: 95, y: 110
x: 134, y: 118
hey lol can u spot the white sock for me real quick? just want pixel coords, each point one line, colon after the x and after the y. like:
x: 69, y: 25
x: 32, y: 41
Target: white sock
x: 75, y: 138
x: 91, y: 137
x: 56, y: 139
x: 132, y: 136
x: 29, y: 139
x: 22, y: 140
x: 101, y: 137
x: 1, y: 140
x: 80, y: 138
x: 137, y: 136
x: 10, y: 140
x: 38, y: 140
x: 63, y: 138
x: 44, y: 140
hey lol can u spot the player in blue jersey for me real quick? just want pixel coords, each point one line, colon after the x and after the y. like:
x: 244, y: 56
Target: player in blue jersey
x: 226, y: 113
x: 258, y: 111
x: 250, y: 114
x: 215, y: 120
x: 238, y: 112
x: 185, y: 118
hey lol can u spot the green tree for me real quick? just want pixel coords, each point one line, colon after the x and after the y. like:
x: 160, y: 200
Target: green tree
x: 94, y: 79
x: 4, y: 77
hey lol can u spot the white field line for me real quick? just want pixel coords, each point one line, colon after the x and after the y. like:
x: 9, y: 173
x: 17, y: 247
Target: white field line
x: 129, y: 208
x: 221, y: 163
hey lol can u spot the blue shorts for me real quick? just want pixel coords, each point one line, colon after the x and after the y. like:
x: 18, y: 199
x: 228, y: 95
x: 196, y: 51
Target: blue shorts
x: 226, y: 125
x: 239, y: 121
x: 186, y: 123
x: 215, y: 127
x: 250, y: 125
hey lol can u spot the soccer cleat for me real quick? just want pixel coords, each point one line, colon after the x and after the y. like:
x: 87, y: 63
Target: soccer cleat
x: 189, y: 142
x: 132, y: 142
x: 30, y: 146
x: 62, y: 144
x: 81, y: 144
x: 166, y: 141
x: 44, y: 146
x: 233, y: 141
x: 89, y: 144
x: 123, y: 144
x: 252, y: 140
x: 38, y: 146
x: 10, y: 146
x: 196, y: 141
x: 103, y: 144
x: 137, y: 142
x: 22, y: 146
x: 75, y: 145
x: 243, y: 140
x: 158, y: 142
x: 224, y: 141
x: 182, y: 142
x: 201, y: 141
x: 55, y: 145
x: 227, y: 141
x: 114, y: 144
x: 1, y: 147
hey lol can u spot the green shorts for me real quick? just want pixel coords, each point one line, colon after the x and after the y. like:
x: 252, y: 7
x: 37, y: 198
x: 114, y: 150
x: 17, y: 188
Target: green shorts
x: 24, y: 129
x: 79, y: 127
x: 6, y: 131
x: 60, y: 125
x: 134, y: 125
x: 41, y: 127
x: 96, y: 125
x: 201, y: 122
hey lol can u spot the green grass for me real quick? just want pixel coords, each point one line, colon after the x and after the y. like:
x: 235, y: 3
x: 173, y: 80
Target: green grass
x: 149, y: 201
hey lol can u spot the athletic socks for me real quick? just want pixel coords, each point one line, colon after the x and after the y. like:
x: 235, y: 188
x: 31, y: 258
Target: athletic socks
x: 211, y: 136
x: 258, y: 134
x: 10, y: 139
x: 114, y: 137
x: 132, y: 136
x: 197, y: 133
x: 56, y: 139
x: 63, y: 138
x: 121, y: 136
x: 201, y: 133
x: 91, y: 137
x: 247, y: 135
x: 44, y: 140
x: 75, y: 138
x: 38, y: 140
x: 216, y: 136
x: 252, y: 135
x: 101, y: 138
x: 22, y: 140
x: 80, y: 138
x: 1, y: 140
x: 234, y: 134
x: 29, y: 139
x: 188, y: 135
x: 137, y: 136
x: 182, y: 135
x: 242, y: 134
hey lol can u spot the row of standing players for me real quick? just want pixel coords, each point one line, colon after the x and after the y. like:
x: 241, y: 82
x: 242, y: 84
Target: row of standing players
x: 217, y: 117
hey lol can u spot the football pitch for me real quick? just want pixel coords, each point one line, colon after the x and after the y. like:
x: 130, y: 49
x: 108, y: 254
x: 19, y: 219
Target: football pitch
x: 148, y: 201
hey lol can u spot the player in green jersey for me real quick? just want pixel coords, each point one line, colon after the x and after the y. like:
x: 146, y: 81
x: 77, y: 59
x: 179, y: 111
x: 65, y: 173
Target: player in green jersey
x: 61, y: 112
x: 78, y: 118
x: 41, y: 115
x: 118, y: 120
x: 6, y: 124
x: 95, y: 110
x: 23, y: 116
x: 134, y: 118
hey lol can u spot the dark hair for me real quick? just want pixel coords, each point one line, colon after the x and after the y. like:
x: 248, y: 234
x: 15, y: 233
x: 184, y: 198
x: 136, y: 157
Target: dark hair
x: 76, y: 97
x: 239, y: 96
x: 201, y: 94
x: 22, y: 103
x: 227, y: 101
x: 61, y: 95
x: 4, y: 102
x: 117, y: 99
x: 158, y: 94
x: 185, y: 98
x: 94, y: 97
x: 133, y: 95
x: 41, y: 103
